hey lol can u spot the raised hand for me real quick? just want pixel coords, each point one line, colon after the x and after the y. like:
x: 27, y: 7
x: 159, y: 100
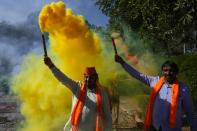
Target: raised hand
x: 48, y: 61
x: 119, y: 59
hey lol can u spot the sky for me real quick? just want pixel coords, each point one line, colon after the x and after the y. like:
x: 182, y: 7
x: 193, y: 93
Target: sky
x: 16, y: 11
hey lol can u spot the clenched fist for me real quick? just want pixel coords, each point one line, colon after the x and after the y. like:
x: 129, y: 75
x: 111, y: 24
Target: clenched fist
x: 119, y: 59
x: 48, y: 61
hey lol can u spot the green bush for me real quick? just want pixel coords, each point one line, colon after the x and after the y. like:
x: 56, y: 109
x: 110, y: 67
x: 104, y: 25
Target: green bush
x: 143, y: 103
x: 188, y: 73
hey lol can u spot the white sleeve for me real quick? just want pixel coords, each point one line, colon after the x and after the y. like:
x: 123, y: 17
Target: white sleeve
x: 65, y: 80
x: 148, y: 80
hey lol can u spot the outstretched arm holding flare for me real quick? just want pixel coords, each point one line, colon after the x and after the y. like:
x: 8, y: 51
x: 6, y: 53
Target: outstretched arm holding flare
x: 64, y: 79
x: 142, y: 77
x: 168, y: 98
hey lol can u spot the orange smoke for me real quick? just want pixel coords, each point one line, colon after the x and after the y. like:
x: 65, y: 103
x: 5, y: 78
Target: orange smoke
x: 118, y: 40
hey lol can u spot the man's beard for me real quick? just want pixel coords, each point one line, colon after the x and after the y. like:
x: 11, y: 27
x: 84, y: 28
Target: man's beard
x: 90, y: 85
x: 170, y: 79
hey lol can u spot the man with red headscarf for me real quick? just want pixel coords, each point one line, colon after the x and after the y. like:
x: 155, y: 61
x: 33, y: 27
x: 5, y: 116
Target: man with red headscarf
x: 90, y: 104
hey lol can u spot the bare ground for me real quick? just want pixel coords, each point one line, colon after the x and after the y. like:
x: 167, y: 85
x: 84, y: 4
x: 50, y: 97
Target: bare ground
x: 10, y: 115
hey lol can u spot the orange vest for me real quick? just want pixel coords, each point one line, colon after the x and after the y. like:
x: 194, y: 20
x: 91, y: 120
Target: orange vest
x: 173, y: 107
x: 77, y: 110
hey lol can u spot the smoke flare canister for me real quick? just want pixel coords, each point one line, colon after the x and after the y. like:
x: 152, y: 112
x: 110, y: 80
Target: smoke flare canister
x: 44, y: 45
x: 113, y: 43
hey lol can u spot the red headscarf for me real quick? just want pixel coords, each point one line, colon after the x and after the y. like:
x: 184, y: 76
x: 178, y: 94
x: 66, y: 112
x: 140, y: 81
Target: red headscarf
x: 90, y: 71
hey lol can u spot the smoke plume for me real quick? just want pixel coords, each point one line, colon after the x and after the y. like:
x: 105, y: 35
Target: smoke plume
x: 45, y: 101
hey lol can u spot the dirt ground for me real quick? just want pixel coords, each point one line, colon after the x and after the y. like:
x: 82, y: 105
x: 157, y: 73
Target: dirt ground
x: 129, y: 119
x: 9, y: 113
x: 128, y: 115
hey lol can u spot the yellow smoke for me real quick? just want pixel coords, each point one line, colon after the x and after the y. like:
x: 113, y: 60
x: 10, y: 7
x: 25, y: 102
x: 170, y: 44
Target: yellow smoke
x: 71, y: 41
x: 45, y: 102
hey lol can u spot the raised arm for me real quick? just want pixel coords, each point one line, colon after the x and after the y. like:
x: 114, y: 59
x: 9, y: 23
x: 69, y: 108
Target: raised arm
x: 148, y: 80
x: 71, y: 84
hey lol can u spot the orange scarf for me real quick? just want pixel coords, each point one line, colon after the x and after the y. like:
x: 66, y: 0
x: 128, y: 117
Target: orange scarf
x: 77, y: 110
x: 174, y: 103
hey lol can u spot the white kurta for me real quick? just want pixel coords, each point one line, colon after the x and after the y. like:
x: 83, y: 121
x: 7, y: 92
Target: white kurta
x: 89, y: 112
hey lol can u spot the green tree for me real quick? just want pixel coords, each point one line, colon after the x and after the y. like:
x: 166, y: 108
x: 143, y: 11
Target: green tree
x: 4, y: 84
x: 188, y: 72
x: 169, y: 22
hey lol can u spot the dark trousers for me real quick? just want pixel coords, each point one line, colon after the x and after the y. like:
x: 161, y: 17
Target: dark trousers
x: 152, y: 128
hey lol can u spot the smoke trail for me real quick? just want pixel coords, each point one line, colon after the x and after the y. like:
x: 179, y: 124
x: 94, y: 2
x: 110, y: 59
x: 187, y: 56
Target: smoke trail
x: 45, y: 102
x: 124, y: 48
x: 146, y: 62
x: 71, y: 40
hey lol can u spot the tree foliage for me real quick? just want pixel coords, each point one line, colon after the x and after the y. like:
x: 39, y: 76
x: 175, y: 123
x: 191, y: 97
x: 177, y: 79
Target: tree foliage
x: 169, y: 22
x: 188, y: 72
x: 4, y: 84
